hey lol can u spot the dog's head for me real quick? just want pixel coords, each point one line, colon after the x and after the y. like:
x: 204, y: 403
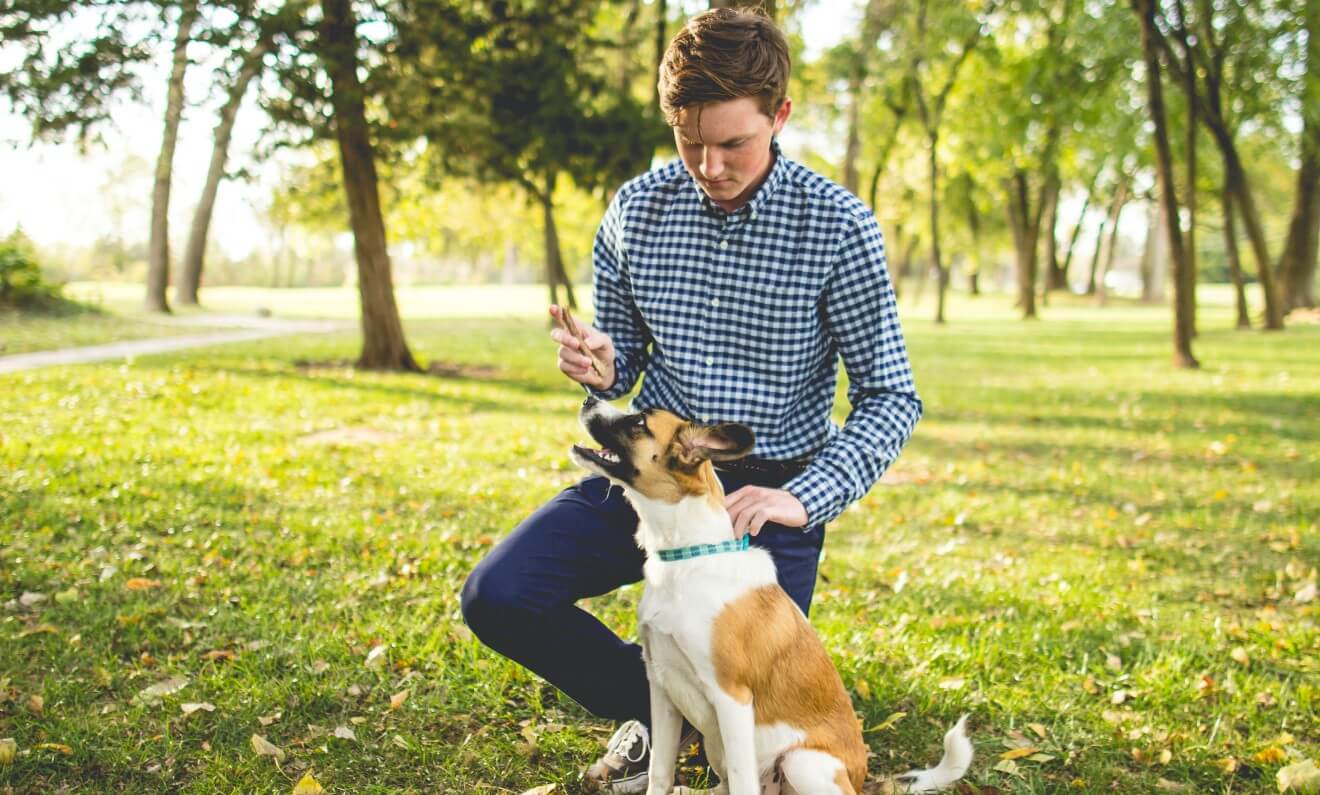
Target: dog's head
x: 658, y: 454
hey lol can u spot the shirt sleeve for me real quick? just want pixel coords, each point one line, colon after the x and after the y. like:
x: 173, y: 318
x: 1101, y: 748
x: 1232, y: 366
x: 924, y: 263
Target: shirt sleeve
x: 861, y: 318
x: 616, y: 310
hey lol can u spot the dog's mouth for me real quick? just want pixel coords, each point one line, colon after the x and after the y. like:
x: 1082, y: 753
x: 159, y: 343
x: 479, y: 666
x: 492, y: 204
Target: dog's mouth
x: 604, y: 456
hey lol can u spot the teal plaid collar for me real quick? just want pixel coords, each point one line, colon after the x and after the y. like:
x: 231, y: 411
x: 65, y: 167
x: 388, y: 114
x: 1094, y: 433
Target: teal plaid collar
x: 697, y: 550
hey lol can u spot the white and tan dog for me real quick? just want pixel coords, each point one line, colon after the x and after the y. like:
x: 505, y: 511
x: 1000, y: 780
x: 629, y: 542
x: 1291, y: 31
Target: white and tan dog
x: 724, y: 645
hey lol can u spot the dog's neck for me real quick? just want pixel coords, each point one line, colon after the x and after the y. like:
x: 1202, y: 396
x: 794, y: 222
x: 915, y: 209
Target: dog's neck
x: 694, y: 519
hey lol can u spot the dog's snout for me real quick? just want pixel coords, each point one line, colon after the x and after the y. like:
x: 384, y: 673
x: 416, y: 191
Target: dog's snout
x: 589, y: 402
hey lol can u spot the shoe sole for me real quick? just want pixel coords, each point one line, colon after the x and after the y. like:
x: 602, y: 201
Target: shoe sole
x: 622, y: 786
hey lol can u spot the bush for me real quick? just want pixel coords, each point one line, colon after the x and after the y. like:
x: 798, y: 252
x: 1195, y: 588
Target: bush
x: 21, y: 282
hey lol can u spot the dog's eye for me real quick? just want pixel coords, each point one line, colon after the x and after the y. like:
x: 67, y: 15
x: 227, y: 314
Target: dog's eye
x: 640, y: 421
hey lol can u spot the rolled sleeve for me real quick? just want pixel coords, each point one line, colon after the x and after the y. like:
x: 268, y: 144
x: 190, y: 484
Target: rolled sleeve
x: 861, y: 317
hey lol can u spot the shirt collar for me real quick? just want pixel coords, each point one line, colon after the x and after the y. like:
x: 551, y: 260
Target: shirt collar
x: 772, y: 181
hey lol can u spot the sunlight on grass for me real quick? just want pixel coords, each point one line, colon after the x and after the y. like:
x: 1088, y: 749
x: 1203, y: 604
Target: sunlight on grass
x: 1101, y: 559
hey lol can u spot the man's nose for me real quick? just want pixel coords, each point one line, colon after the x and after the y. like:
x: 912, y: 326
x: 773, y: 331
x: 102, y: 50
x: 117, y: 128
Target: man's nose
x: 711, y: 164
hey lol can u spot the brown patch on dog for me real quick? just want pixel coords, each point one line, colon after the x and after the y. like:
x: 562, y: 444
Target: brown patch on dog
x: 765, y: 652
x: 673, y: 461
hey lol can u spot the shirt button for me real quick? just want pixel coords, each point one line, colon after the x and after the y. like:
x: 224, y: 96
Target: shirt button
x: 714, y: 302
x: 753, y: 215
x: 724, y: 244
x: 710, y: 360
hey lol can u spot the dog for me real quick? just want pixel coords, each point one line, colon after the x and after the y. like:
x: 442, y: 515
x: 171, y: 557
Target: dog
x: 723, y: 644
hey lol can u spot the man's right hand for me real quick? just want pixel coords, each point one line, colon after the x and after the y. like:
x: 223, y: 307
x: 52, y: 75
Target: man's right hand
x: 576, y: 365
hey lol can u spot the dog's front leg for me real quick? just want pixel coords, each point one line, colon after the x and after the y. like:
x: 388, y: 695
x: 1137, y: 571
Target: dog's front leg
x: 666, y: 731
x: 738, y: 732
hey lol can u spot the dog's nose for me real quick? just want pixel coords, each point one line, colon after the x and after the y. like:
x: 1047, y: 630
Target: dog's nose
x: 589, y: 402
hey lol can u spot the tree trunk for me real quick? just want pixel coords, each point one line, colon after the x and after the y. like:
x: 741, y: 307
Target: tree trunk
x: 1246, y: 205
x: 383, y: 343
x: 974, y: 272
x: 1235, y: 261
x: 1100, y: 265
x: 1026, y: 226
x: 1182, y: 329
x: 1297, y: 265
x: 941, y: 276
x: 190, y: 276
x: 1155, y: 258
x: 1053, y: 271
x: 1188, y: 272
x: 1072, y: 243
x: 554, y: 262
x: 853, y: 146
x: 661, y: 44
x: 158, y: 248
x: 1095, y: 258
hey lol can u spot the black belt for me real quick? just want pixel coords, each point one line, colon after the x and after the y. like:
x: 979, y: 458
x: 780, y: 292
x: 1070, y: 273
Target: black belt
x: 765, y: 467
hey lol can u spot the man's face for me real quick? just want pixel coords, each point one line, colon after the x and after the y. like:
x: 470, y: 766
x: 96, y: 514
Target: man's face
x: 729, y: 154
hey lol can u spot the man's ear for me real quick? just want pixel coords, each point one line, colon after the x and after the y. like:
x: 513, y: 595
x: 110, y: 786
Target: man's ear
x: 723, y: 442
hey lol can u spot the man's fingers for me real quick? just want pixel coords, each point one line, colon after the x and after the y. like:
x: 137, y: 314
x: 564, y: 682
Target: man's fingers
x: 759, y: 518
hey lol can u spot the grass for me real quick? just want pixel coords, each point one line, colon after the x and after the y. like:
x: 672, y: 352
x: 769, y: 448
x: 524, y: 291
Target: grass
x: 1095, y: 555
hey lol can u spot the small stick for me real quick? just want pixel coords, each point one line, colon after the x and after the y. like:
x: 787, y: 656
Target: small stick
x: 567, y: 323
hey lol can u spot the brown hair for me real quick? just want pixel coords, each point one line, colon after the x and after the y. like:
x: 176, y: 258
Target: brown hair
x: 724, y: 54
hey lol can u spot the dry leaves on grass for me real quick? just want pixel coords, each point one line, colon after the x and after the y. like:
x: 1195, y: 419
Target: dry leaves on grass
x: 8, y: 749
x: 1301, y: 776
x: 263, y: 747
x: 307, y: 785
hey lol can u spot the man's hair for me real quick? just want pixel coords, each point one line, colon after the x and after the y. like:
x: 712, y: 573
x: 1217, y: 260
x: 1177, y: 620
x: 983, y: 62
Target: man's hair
x: 724, y: 54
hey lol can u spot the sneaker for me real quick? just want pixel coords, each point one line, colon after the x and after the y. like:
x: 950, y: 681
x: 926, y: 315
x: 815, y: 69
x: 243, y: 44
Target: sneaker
x: 621, y: 770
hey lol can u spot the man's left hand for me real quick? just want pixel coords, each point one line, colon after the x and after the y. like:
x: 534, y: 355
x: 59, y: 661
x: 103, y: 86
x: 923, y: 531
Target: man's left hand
x: 751, y: 507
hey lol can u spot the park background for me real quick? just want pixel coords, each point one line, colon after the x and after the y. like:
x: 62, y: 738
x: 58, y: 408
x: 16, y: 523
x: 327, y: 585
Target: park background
x: 235, y: 567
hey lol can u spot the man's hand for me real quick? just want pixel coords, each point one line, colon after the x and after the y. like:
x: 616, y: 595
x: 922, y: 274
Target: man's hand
x: 751, y: 507
x: 576, y: 365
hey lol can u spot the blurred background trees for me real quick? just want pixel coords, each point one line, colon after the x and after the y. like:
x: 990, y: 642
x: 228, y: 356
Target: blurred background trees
x: 1005, y: 145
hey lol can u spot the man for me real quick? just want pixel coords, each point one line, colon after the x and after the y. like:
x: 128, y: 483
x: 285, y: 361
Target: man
x: 734, y: 280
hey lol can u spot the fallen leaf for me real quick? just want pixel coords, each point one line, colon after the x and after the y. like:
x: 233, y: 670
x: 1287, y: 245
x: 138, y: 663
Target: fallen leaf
x: 308, y: 785
x: 1272, y: 755
x: 190, y: 708
x: 161, y: 689
x: 220, y: 654
x: 1164, y: 785
x: 266, y: 720
x: 265, y: 748
x: 36, y: 703
x: 1113, y: 662
x: 544, y: 789
x: 889, y: 722
x: 67, y: 597
x: 141, y: 584
x: 398, y: 698
x: 1118, y: 697
x: 953, y: 683
x: 345, y: 733
x: 1007, y: 766
x: 1239, y: 656
x: 61, y: 747
x: 1305, y: 594
x: 30, y: 598
x: 1089, y: 685
x: 8, y: 748
x: 1038, y: 728
x: 1018, y: 753
x: 1166, y: 756
x: 862, y: 688
x: 376, y: 657
x: 1301, y: 776
x: 1228, y: 765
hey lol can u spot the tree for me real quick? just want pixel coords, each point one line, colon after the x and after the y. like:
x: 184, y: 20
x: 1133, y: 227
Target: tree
x: 1182, y: 327
x: 383, y: 343
x: 931, y: 94
x: 158, y: 246
x: 534, y: 103
x: 1297, y: 265
x: 1228, y: 49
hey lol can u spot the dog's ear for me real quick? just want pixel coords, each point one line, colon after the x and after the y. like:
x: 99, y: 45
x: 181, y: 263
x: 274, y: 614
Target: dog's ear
x: 723, y: 442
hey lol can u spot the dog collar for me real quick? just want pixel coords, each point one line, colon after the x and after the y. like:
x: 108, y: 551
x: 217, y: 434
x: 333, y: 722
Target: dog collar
x: 698, y: 550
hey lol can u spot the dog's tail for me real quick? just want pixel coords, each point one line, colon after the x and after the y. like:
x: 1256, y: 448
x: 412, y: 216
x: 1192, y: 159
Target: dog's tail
x: 953, y: 765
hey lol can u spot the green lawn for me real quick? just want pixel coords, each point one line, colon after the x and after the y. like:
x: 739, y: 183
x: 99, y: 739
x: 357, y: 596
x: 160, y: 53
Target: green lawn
x: 1098, y: 557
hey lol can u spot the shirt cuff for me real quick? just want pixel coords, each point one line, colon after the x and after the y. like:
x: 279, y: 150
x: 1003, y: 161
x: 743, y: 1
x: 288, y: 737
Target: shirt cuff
x: 819, y: 494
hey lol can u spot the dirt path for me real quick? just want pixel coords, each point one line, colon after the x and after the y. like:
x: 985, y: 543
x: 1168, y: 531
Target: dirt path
x: 243, y: 329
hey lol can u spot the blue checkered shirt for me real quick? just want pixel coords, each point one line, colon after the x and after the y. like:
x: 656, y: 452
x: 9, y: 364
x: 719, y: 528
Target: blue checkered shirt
x: 743, y: 317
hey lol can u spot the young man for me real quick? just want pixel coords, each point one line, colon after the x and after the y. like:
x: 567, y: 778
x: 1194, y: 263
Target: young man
x: 734, y: 281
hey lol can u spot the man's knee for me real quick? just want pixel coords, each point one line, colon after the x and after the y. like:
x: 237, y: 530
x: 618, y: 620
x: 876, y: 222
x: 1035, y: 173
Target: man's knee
x: 489, y: 599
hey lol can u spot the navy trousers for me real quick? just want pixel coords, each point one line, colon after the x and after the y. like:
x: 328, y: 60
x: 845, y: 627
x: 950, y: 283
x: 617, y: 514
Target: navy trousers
x: 521, y: 598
